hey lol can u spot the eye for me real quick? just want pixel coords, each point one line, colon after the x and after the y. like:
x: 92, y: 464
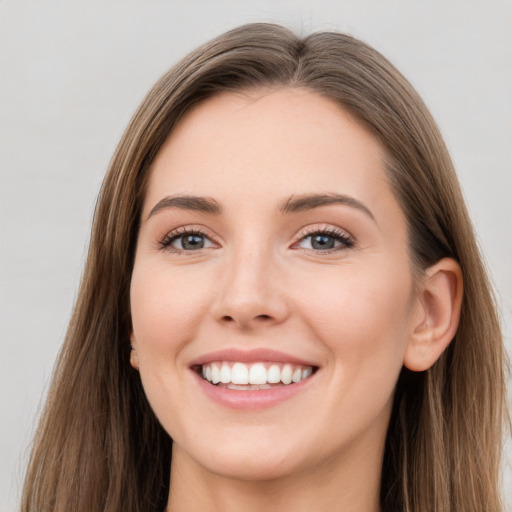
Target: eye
x: 325, y: 240
x: 183, y: 240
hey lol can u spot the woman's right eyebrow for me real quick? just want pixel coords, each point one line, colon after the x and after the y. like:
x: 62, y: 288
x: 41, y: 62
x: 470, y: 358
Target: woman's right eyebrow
x: 196, y: 203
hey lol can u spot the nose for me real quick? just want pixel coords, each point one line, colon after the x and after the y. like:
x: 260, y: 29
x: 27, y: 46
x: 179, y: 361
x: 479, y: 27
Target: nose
x: 251, y: 294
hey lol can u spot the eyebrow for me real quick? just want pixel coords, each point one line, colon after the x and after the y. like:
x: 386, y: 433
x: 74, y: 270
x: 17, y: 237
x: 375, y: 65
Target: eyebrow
x: 196, y: 203
x: 309, y: 201
x: 293, y: 204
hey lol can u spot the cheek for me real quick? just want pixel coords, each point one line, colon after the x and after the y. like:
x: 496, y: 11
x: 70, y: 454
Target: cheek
x: 166, y: 307
x: 362, y: 317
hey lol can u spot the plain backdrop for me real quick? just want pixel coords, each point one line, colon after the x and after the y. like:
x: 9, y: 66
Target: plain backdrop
x: 72, y: 74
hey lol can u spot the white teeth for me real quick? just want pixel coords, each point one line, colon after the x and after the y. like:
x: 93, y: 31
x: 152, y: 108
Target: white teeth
x: 239, y: 374
x: 254, y: 376
x: 257, y: 374
x: 306, y: 372
x: 225, y: 373
x: 274, y: 374
x: 297, y: 375
x: 286, y: 374
x: 215, y: 374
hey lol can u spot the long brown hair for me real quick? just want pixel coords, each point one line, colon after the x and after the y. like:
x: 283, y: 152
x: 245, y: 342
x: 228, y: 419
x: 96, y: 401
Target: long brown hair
x: 99, y: 445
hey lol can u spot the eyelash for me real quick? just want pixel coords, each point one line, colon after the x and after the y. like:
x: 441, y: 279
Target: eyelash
x: 337, y: 234
x: 179, y: 233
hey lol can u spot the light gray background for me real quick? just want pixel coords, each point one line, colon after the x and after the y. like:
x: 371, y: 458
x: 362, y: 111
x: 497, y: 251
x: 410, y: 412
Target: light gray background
x: 72, y: 74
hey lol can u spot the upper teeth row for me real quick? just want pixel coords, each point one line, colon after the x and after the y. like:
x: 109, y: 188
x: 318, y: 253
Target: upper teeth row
x: 254, y: 373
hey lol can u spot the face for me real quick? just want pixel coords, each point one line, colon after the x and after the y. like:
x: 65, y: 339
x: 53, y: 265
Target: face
x: 271, y: 294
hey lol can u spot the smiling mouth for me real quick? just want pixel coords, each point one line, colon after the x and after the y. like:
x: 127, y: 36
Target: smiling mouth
x: 253, y: 376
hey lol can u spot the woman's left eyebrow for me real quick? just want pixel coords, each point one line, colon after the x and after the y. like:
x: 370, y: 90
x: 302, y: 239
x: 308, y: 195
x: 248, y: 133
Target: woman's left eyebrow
x: 196, y: 203
x: 309, y: 201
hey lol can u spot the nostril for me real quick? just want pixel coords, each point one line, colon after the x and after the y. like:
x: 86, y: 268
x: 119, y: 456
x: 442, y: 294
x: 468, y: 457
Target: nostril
x: 257, y: 318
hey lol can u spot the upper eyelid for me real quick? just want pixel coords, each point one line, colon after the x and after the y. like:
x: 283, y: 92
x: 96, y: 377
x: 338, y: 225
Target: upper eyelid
x: 190, y: 229
x: 322, y: 228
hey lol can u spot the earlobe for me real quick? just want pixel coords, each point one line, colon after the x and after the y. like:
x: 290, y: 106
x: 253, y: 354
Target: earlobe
x: 134, y: 358
x: 439, y: 300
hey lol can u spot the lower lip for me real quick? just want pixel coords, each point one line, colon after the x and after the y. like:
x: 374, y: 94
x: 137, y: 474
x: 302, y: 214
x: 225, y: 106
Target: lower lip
x: 252, y: 399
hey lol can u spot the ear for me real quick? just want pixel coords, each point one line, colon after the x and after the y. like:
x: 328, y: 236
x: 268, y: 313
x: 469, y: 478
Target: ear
x: 434, y: 326
x: 134, y: 358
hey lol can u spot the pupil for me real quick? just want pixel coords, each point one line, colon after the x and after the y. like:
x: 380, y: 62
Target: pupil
x: 322, y: 242
x: 192, y: 242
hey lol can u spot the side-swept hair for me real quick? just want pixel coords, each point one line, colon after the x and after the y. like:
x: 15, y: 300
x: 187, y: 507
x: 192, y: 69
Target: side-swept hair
x: 99, y: 446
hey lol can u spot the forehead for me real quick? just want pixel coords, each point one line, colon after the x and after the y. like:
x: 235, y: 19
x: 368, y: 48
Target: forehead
x: 268, y: 144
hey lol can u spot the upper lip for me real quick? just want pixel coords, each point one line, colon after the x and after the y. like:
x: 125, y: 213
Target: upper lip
x: 250, y: 356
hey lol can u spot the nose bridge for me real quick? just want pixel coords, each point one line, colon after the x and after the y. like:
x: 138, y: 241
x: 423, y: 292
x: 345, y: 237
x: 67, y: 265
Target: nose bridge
x: 250, y: 294
x: 247, y: 273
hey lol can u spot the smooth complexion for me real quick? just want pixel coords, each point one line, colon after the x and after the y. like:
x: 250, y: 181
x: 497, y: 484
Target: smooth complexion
x: 270, y: 233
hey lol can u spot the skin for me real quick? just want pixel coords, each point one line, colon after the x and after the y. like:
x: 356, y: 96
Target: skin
x: 354, y: 311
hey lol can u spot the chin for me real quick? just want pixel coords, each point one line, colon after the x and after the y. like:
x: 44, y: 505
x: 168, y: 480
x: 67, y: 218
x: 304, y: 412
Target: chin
x: 247, y: 460
x: 252, y: 468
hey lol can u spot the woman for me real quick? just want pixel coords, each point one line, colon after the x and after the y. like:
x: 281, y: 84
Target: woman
x: 283, y: 305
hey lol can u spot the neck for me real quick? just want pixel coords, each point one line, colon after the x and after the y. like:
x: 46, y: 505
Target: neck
x: 342, y: 484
